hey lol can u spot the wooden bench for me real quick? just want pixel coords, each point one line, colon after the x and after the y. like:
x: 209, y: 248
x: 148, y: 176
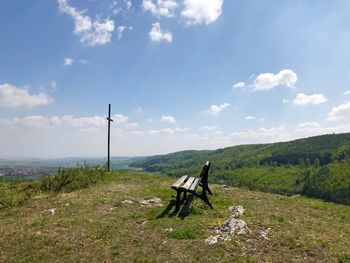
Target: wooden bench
x: 190, y: 184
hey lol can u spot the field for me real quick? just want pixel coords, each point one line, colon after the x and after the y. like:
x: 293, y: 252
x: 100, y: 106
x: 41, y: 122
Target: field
x: 95, y: 225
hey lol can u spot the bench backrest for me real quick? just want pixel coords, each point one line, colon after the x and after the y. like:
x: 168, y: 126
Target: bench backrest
x: 205, y: 173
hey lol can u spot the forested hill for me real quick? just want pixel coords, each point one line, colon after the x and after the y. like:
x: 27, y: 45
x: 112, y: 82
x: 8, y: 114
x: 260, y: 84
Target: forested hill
x: 317, y: 166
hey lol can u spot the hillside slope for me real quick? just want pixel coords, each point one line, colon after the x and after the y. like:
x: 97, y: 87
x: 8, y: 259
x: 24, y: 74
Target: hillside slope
x: 287, y: 168
x: 95, y: 225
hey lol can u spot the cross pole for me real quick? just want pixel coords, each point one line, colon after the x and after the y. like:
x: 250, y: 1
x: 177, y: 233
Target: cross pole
x: 109, y: 135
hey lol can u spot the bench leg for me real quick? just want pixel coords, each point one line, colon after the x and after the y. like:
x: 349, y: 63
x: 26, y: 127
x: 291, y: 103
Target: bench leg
x: 178, y: 200
x: 204, y: 197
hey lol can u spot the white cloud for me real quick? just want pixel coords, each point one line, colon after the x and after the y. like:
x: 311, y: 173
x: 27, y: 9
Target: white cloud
x: 68, y: 62
x: 84, y: 61
x: 238, y: 85
x: 268, y: 81
x: 304, y: 100
x: 71, y: 121
x: 91, y: 32
x: 13, y: 97
x: 262, y: 134
x: 128, y: 4
x: 53, y: 85
x: 250, y: 118
x: 284, y: 101
x: 160, y: 132
x: 160, y: 7
x: 216, y: 109
x: 208, y: 128
x: 167, y: 131
x: 177, y: 129
x: 309, y: 124
x: 346, y: 92
x: 132, y: 125
x: 168, y: 118
x: 79, y: 122
x: 157, y: 34
x: 32, y: 121
x: 121, y: 30
x: 339, y: 112
x: 201, y: 11
x: 119, y: 118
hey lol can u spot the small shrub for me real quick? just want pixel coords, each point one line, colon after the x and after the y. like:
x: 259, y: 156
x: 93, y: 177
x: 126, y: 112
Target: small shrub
x: 183, y: 234
x: 344, y: 259
x: 71, y: 179
x: 11, y: 196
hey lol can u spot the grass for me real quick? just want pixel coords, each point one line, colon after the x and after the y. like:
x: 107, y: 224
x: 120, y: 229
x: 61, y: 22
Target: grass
x: 93, y: 225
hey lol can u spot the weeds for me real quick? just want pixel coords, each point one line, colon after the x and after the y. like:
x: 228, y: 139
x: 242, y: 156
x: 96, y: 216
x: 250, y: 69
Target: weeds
x: 72, y: 179
x: 15, y: 193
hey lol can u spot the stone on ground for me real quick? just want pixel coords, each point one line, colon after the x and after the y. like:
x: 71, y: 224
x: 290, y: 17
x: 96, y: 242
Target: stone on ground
x: 237, y: 211
x: 152, y: 202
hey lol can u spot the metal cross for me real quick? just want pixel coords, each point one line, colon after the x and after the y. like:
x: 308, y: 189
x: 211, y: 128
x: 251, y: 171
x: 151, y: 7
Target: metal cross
x: 109, y: 135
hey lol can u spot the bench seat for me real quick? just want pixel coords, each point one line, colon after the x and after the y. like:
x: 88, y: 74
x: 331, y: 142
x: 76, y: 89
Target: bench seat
x: 190, y: 184
x: 179, y: 182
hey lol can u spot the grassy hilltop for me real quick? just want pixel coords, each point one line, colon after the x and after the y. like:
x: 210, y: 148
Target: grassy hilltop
x: 95, y: 225
x: 317, y: 166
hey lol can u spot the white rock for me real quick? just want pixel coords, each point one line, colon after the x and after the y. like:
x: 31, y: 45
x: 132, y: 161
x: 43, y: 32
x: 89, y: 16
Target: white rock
x: 51, y: 210
x: 234, y: 227
x: 211, y: 240
x: 264, y: 233
x: 152, y: 202
x: 170, y: 229
x: 237, y: 211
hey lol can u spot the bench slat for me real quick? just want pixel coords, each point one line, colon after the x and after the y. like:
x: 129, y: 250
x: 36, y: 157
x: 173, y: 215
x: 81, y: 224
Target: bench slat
x: 179, y: 182
x: 194, y: 185
x: 188, y: 183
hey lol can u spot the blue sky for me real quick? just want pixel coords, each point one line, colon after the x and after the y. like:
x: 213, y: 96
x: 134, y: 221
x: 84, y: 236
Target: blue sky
x: 180, y: 74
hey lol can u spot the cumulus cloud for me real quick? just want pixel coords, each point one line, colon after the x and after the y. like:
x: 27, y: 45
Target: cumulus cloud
x: 121, y: 30
x: 91, y: 32
x: 132, y: 125
x: 346, y: 92
x: 160, y: 132
x: 309, y: 124
x: 168, y: 118
x: 208, y: 128
x: 268, y: 81
x: 157, y: 34
x: 238, y: 85
x: 262, y: 134
x: 201, y: 11
x: 216, y: 109
x: 68, y: 62
x: 32, y: 121
x: 304, y: 100
x: 13, y: 97
x: 120, y: 118
x: 128, y: 4
x: 53, y: 85
x: 250, y: 118
x: 78, y: 122
x: 84, y: 61
x: 160, y: 7
x: 339, y: 112
x: 71, y: 121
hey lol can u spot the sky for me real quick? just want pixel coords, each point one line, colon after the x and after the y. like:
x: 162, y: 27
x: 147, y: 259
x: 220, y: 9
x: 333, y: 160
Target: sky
x: 180, y: 74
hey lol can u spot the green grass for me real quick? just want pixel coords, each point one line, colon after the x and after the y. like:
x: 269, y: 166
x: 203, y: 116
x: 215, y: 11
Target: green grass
x: 93, y: 225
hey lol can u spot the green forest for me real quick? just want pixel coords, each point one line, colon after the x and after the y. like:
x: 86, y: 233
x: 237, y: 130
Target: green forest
x: 316, y: 167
